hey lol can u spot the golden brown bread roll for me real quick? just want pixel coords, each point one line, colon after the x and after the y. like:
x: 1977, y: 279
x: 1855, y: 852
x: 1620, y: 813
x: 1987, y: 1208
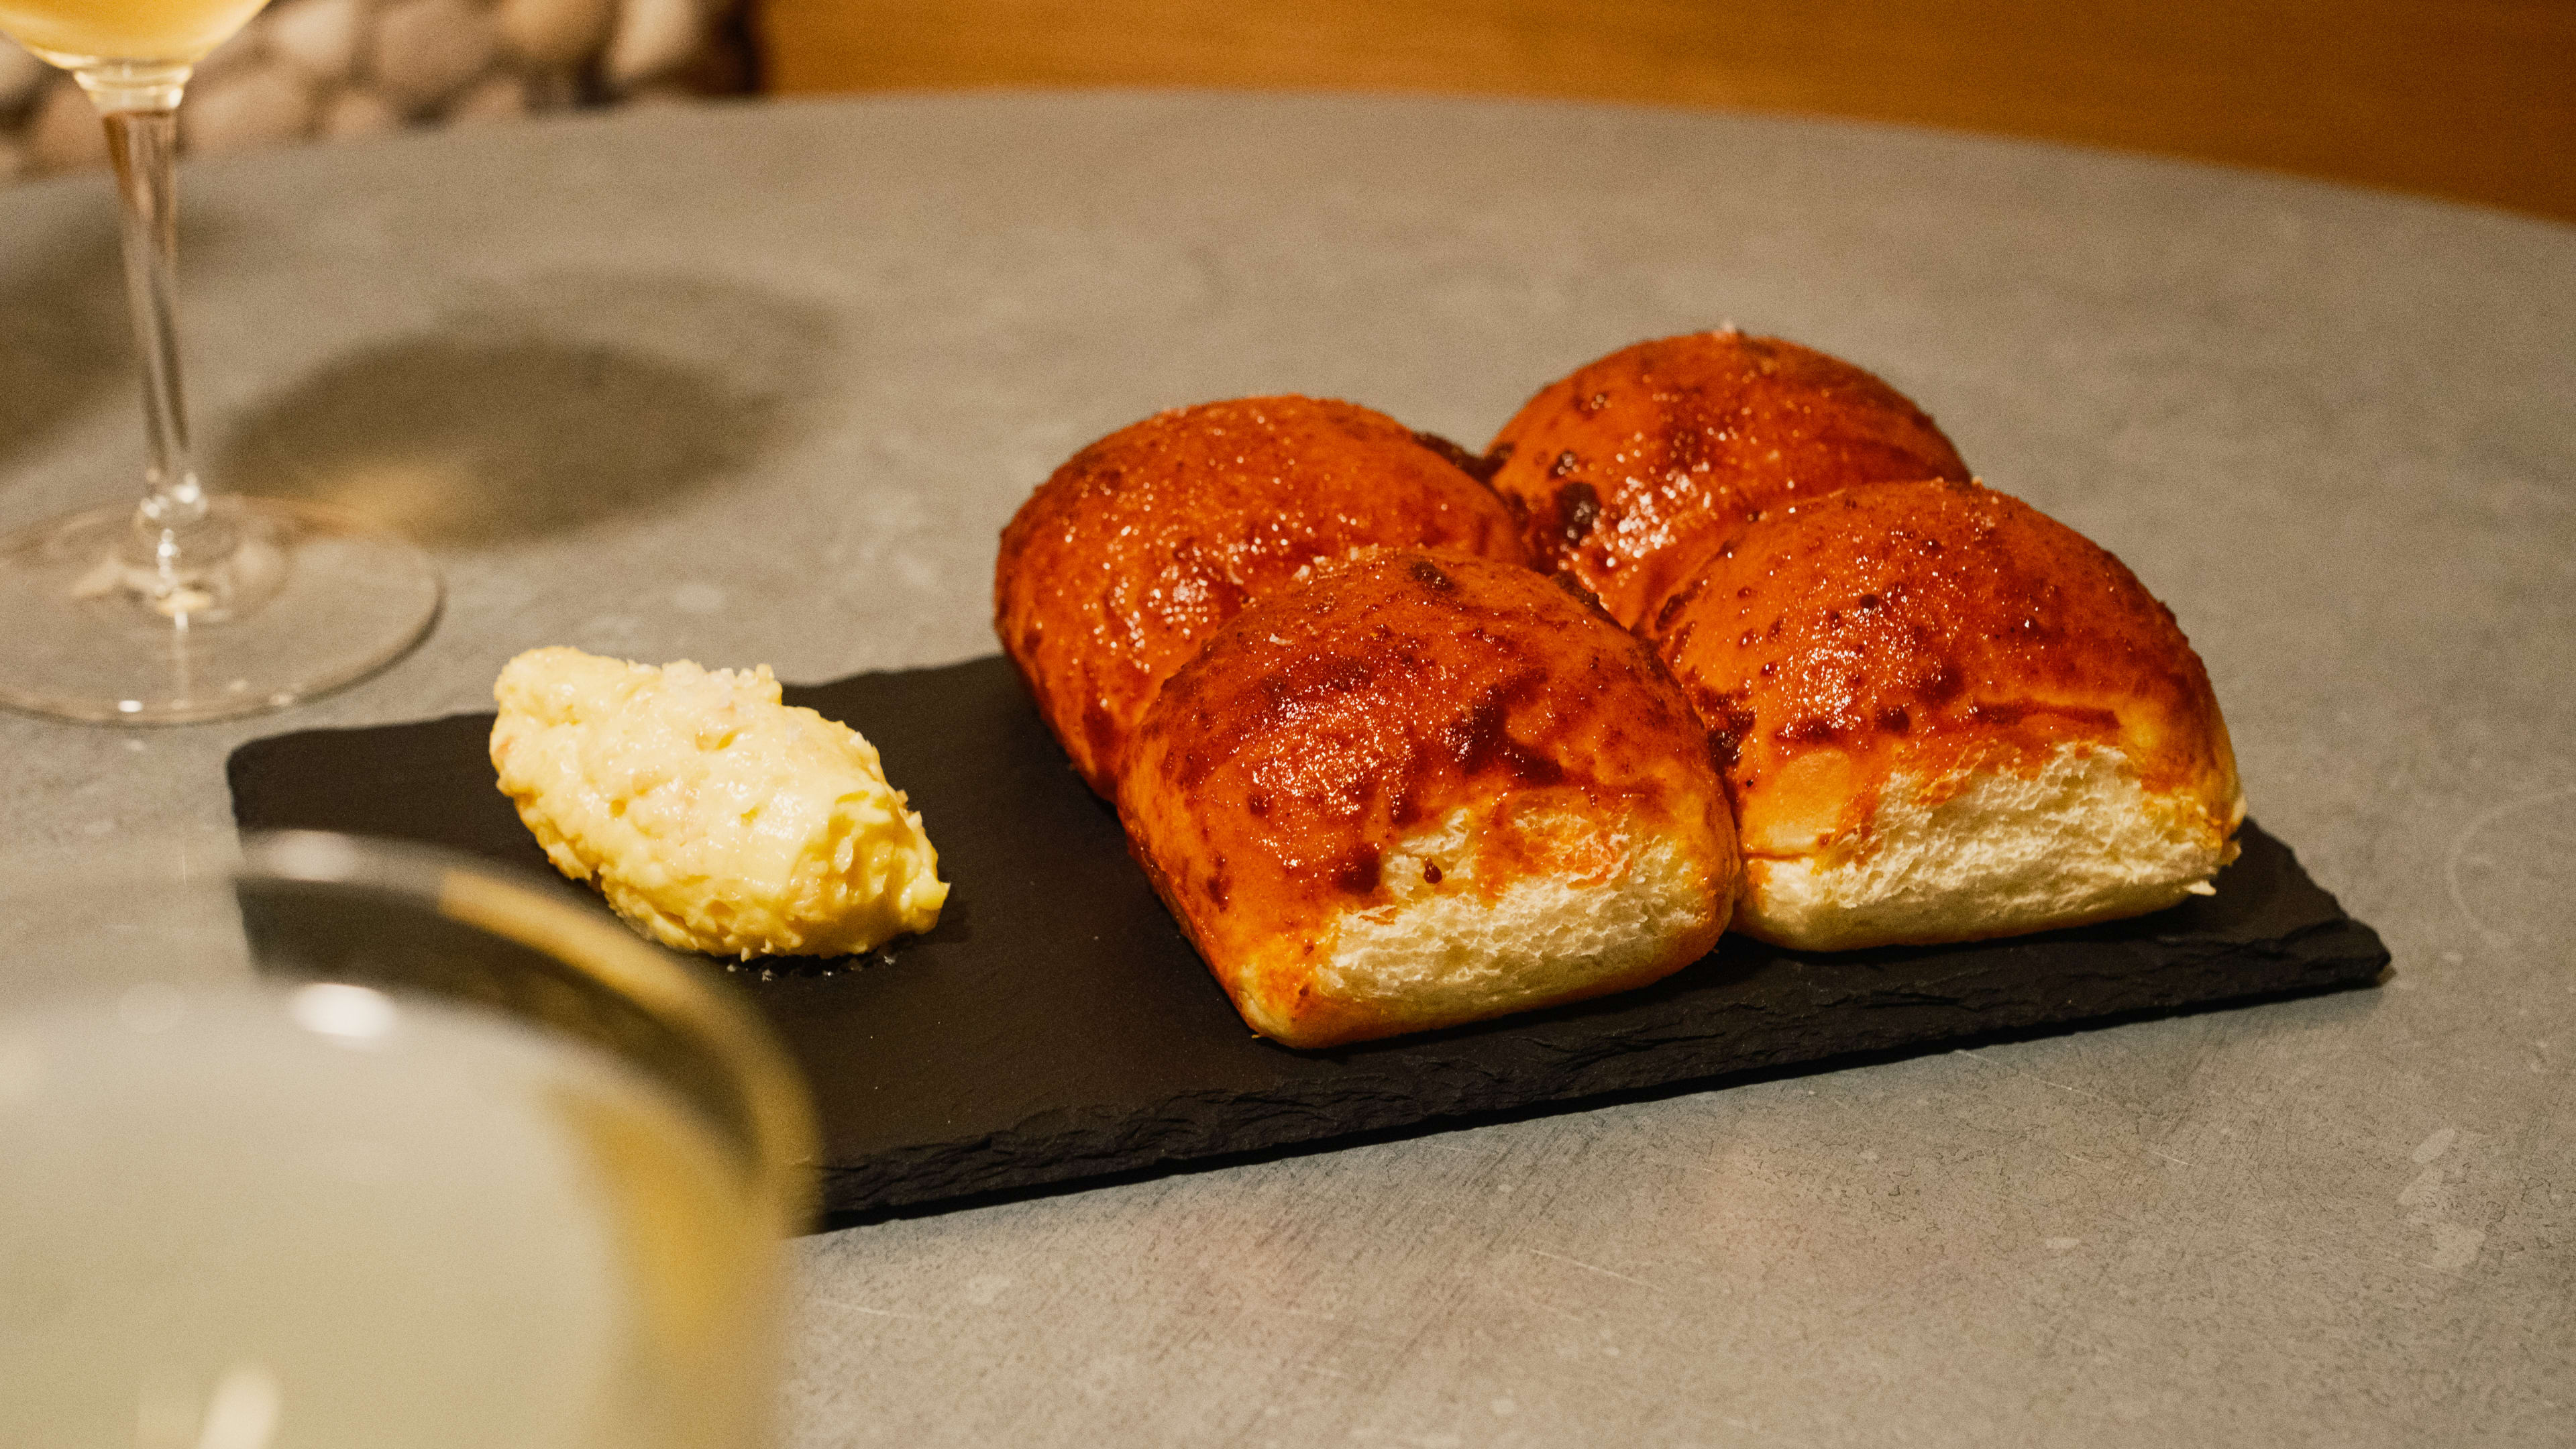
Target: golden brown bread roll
x: 1943, y: 716
x: 1632, y: 466
x: 1146, y: 541
x: 1426, y: 789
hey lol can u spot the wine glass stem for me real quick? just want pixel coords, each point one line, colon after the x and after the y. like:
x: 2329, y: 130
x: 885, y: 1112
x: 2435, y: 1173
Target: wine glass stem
x: 143, y: 143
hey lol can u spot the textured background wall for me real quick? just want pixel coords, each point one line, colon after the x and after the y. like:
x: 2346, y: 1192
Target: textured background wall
x: 316, y: 69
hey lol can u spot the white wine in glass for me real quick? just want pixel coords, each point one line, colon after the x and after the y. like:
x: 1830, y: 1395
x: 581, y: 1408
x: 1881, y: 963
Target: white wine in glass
x: 192, y: 605
x: 360, y: 1146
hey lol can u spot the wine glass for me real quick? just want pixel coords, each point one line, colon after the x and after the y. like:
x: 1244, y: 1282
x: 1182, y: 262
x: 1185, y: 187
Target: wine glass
x: 194, y: 605
x: 354, y: 1143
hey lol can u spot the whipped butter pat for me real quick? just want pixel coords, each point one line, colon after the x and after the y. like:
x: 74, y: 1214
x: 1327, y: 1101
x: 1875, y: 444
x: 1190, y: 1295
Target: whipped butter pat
x: 712, y: 816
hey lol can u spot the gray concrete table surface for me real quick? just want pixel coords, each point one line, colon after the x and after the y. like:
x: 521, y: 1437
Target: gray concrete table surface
x: 761, y: 385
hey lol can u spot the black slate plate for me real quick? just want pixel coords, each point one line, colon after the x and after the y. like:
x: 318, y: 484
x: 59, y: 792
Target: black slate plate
x: 1057, y: 1028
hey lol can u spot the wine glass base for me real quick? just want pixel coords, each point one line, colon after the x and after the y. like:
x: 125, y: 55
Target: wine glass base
x: 311, y: 598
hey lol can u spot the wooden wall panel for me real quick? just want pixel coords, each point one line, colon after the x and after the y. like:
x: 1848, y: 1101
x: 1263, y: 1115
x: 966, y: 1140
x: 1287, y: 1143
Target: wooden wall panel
x: 2474, y: 99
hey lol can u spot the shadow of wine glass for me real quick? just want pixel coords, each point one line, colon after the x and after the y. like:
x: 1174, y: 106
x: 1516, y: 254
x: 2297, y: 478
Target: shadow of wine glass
x: 66, y: 345
x: 551, y: 405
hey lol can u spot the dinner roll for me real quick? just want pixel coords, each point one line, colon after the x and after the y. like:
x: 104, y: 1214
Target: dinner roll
x: 1943, y: 716
x: 1146, y: 541
x: 1426, y: 789
x: 1631, y: 467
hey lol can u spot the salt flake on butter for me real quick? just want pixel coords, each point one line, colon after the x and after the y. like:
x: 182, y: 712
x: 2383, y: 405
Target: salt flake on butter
x: 713, y: 817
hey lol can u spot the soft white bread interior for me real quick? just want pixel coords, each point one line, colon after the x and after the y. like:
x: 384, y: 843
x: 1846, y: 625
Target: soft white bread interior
x: 1503, y: 908
x: 1995, y: 853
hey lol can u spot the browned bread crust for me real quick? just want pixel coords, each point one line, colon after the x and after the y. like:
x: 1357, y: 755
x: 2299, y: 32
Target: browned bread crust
x: 1936, y: 630
x: 1632, y: 466
x: 1424, y: 789
x: 1145, y: 542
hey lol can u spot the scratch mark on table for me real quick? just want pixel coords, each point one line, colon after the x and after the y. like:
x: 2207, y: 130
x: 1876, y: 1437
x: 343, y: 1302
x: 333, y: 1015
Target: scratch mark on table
x: 871, y: 1312
x: 2034, y: 1076
x: 2460, y: 847
x: 1542, y: 1306
x: 1590, y: 1267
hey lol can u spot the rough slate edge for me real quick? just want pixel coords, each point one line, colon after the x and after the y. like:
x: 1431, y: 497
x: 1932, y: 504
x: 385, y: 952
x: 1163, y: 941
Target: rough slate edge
x: 2338, y: 955
x: 1857, y: 1006
x: 834, y: 1219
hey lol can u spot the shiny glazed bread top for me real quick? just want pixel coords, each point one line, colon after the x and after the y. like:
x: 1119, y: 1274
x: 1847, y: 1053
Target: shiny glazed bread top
x: 1142, y: 544
x: 1634, y: 464
x: 1930, y: 627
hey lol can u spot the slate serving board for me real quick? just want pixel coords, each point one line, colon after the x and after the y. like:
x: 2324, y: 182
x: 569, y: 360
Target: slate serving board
x: 1056, y: 1028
